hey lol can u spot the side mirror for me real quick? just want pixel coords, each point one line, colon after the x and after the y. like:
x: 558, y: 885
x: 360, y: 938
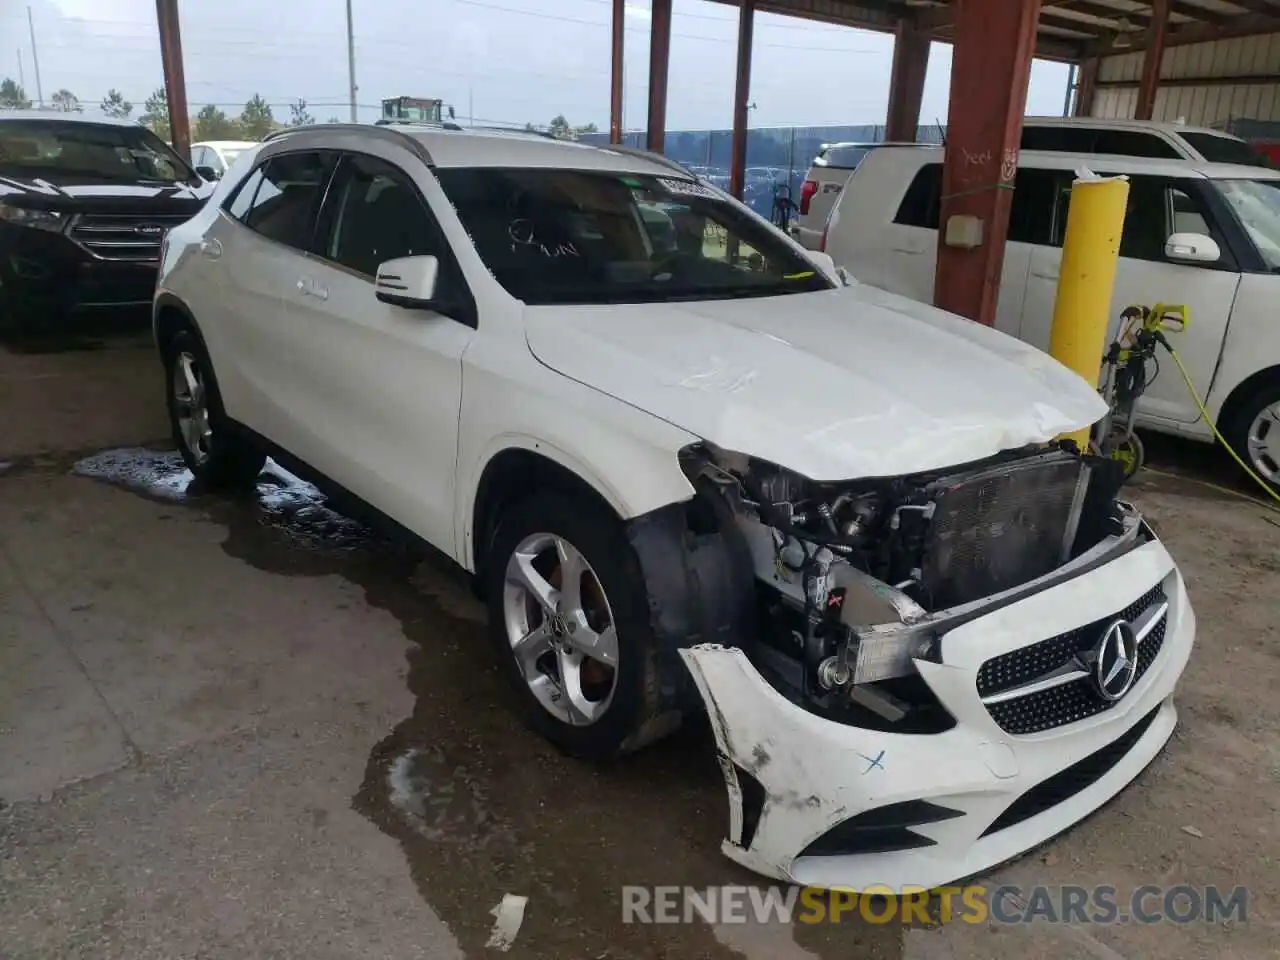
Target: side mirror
x: 208, y: 173
x: 408, y: 282
x: 1192, y: 248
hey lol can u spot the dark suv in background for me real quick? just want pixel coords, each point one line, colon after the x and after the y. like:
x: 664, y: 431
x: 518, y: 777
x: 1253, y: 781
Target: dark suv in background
x: 84, y: 206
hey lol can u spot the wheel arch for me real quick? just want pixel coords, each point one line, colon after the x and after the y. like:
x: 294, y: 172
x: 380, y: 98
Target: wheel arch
x: 1242, y: 391
x: 517, y: 466
x: 169, y: 316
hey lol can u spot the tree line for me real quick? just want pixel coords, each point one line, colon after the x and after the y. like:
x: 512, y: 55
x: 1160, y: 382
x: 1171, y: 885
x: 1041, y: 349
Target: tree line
x: 254, y: 122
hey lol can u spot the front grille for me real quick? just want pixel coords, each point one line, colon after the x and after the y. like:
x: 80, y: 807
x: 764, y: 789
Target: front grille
x: 1053, y: 707
x: 123, y: 236
x: 1065, y: 784
x: 997, y: 529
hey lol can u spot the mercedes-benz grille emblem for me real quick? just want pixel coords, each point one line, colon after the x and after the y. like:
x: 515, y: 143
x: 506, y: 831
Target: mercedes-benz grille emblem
x: 1115, y: 661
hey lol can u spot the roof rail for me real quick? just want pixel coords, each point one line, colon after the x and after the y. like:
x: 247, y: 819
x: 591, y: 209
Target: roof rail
x: 385, y: 132
x: 651, y: 156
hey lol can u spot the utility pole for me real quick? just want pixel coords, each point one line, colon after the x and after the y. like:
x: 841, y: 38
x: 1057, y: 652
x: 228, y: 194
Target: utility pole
x: 35, y: 57
x: 175, y: 81
x: 22, y: 79
x: 471, y: 106
x: 351, y: 61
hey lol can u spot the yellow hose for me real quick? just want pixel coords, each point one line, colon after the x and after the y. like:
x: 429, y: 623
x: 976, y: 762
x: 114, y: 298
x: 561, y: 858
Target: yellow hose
x: 1221, y: 439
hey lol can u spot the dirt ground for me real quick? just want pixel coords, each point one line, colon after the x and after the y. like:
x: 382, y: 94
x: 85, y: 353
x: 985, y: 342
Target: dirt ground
x: 251, y: 729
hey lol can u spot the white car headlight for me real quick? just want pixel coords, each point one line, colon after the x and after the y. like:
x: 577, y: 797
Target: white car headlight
x: 49, y: 220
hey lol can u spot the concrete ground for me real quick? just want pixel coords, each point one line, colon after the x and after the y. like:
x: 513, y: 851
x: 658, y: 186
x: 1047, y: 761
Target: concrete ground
x: 248, y: 729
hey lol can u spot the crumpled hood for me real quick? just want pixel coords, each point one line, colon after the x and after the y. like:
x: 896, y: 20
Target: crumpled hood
x: 836, y: 385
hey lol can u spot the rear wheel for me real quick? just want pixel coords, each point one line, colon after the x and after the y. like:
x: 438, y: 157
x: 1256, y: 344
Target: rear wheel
x: 216, y: 455
x: 569, y: 620
x: 1254, y: 432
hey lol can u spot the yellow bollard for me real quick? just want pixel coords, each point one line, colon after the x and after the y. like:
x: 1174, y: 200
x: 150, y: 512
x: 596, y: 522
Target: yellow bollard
x: 1090, y: 252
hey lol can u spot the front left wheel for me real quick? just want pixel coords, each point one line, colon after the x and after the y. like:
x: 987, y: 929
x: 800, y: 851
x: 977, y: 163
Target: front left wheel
x: 216, y: 455
x: 569, y: 620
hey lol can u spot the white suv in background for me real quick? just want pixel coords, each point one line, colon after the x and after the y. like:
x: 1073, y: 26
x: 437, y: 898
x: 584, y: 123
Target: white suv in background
x: 1202, y: 234
x: 836, y: 162
x: 691, y: 469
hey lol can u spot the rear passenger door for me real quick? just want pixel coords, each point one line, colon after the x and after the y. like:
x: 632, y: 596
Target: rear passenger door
x: 910, y: 247
x: 380, y: 386
x: 274, y: 214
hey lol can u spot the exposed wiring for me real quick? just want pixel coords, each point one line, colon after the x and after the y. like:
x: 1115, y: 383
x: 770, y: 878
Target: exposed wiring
x: 1214, y: 427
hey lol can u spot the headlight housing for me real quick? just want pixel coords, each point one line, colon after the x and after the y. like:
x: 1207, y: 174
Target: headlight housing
x: 50, y: 220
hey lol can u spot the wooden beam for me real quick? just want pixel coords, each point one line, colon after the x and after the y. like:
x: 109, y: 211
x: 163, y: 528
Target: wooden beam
x: 1228, y: 80
x: 741, y: 94
x: 1248, y: 25
x: 1151, y: 62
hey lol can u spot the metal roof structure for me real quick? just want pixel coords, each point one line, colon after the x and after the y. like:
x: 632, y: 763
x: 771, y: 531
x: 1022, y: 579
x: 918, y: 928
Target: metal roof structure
x: 1071, y: 30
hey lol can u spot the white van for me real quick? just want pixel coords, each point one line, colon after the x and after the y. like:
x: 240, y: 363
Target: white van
x: 1202, y: 234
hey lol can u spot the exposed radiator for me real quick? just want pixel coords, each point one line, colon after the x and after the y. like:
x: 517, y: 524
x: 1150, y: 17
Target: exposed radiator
x: 1001, y: 527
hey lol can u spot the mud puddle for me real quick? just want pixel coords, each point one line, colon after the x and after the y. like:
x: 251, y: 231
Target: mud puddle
x: 481, y: 806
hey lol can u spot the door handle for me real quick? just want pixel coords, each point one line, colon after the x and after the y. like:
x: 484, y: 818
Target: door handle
x: 211, y: 248
x: 309, y: 288
x: 1044, y: 276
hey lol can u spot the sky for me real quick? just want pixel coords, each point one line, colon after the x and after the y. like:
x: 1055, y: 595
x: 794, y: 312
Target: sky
x: 500, y: 61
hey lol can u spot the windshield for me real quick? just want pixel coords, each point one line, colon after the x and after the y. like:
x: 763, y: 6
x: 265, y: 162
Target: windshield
x: 88, y: 150
x: 1225, y: 150
x: 571, y: 236
x: 1256, y: 204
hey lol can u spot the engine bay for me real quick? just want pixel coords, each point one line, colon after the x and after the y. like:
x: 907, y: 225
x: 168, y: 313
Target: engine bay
x: 856, y: 580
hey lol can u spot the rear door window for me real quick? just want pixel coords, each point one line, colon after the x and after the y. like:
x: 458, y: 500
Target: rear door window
x: 923, y: 200
x: 1034, y: 214
x: 287, y: 200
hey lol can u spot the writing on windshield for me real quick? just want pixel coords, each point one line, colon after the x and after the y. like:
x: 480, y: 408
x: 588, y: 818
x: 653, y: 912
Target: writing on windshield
x: 574, y: 236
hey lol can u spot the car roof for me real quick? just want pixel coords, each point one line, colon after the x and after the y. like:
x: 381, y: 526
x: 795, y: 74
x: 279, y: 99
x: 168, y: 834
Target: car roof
x: 1101, y: 123
x: 1115, y: 164
x: 65, y: 116
x: 225, y: 144
x: 476, y: 147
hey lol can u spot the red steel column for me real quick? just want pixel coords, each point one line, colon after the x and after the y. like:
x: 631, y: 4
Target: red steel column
x: 906, y: 82
x: 175, y: 83
x: 741, y: 94
x: 659, y: 59
x: 1086, y: 85
x: 615, y: 80
x: 994, y: 41
x: 1150, y: 83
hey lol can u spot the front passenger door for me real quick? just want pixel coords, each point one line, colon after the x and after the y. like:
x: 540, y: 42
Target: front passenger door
x: 383, y: 383
x: 1157, y: 207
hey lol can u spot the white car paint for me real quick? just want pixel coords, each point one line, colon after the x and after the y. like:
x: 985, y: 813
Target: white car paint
x: 849, y: 383
x: 1230, y: 337
x: 816, y: 774
x: 406, y: 408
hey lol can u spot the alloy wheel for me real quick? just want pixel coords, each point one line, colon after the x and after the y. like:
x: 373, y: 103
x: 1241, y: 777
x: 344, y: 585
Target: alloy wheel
x: 191, y: 406
x: 1264, y: 442
x: 561, y: 629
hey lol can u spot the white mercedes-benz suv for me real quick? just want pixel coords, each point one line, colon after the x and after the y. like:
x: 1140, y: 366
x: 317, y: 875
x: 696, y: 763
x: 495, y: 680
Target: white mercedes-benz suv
x: 692, y: 467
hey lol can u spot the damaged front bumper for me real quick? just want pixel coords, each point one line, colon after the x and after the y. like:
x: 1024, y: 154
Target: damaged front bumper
x: 826, y: 804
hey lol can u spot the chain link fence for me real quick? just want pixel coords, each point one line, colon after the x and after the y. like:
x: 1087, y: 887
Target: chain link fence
x: 777, y: 157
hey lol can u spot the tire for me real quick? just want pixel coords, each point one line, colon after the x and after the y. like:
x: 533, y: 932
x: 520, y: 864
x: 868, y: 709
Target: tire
x: 1254, y: 437
x: 217, y: 456
x: 619, y: 721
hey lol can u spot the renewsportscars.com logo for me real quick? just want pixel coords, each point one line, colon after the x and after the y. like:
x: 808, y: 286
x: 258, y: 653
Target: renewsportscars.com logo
x: 1006, y: 904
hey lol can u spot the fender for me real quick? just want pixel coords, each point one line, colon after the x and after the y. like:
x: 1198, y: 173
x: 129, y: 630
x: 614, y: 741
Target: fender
x: 643, y: 490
